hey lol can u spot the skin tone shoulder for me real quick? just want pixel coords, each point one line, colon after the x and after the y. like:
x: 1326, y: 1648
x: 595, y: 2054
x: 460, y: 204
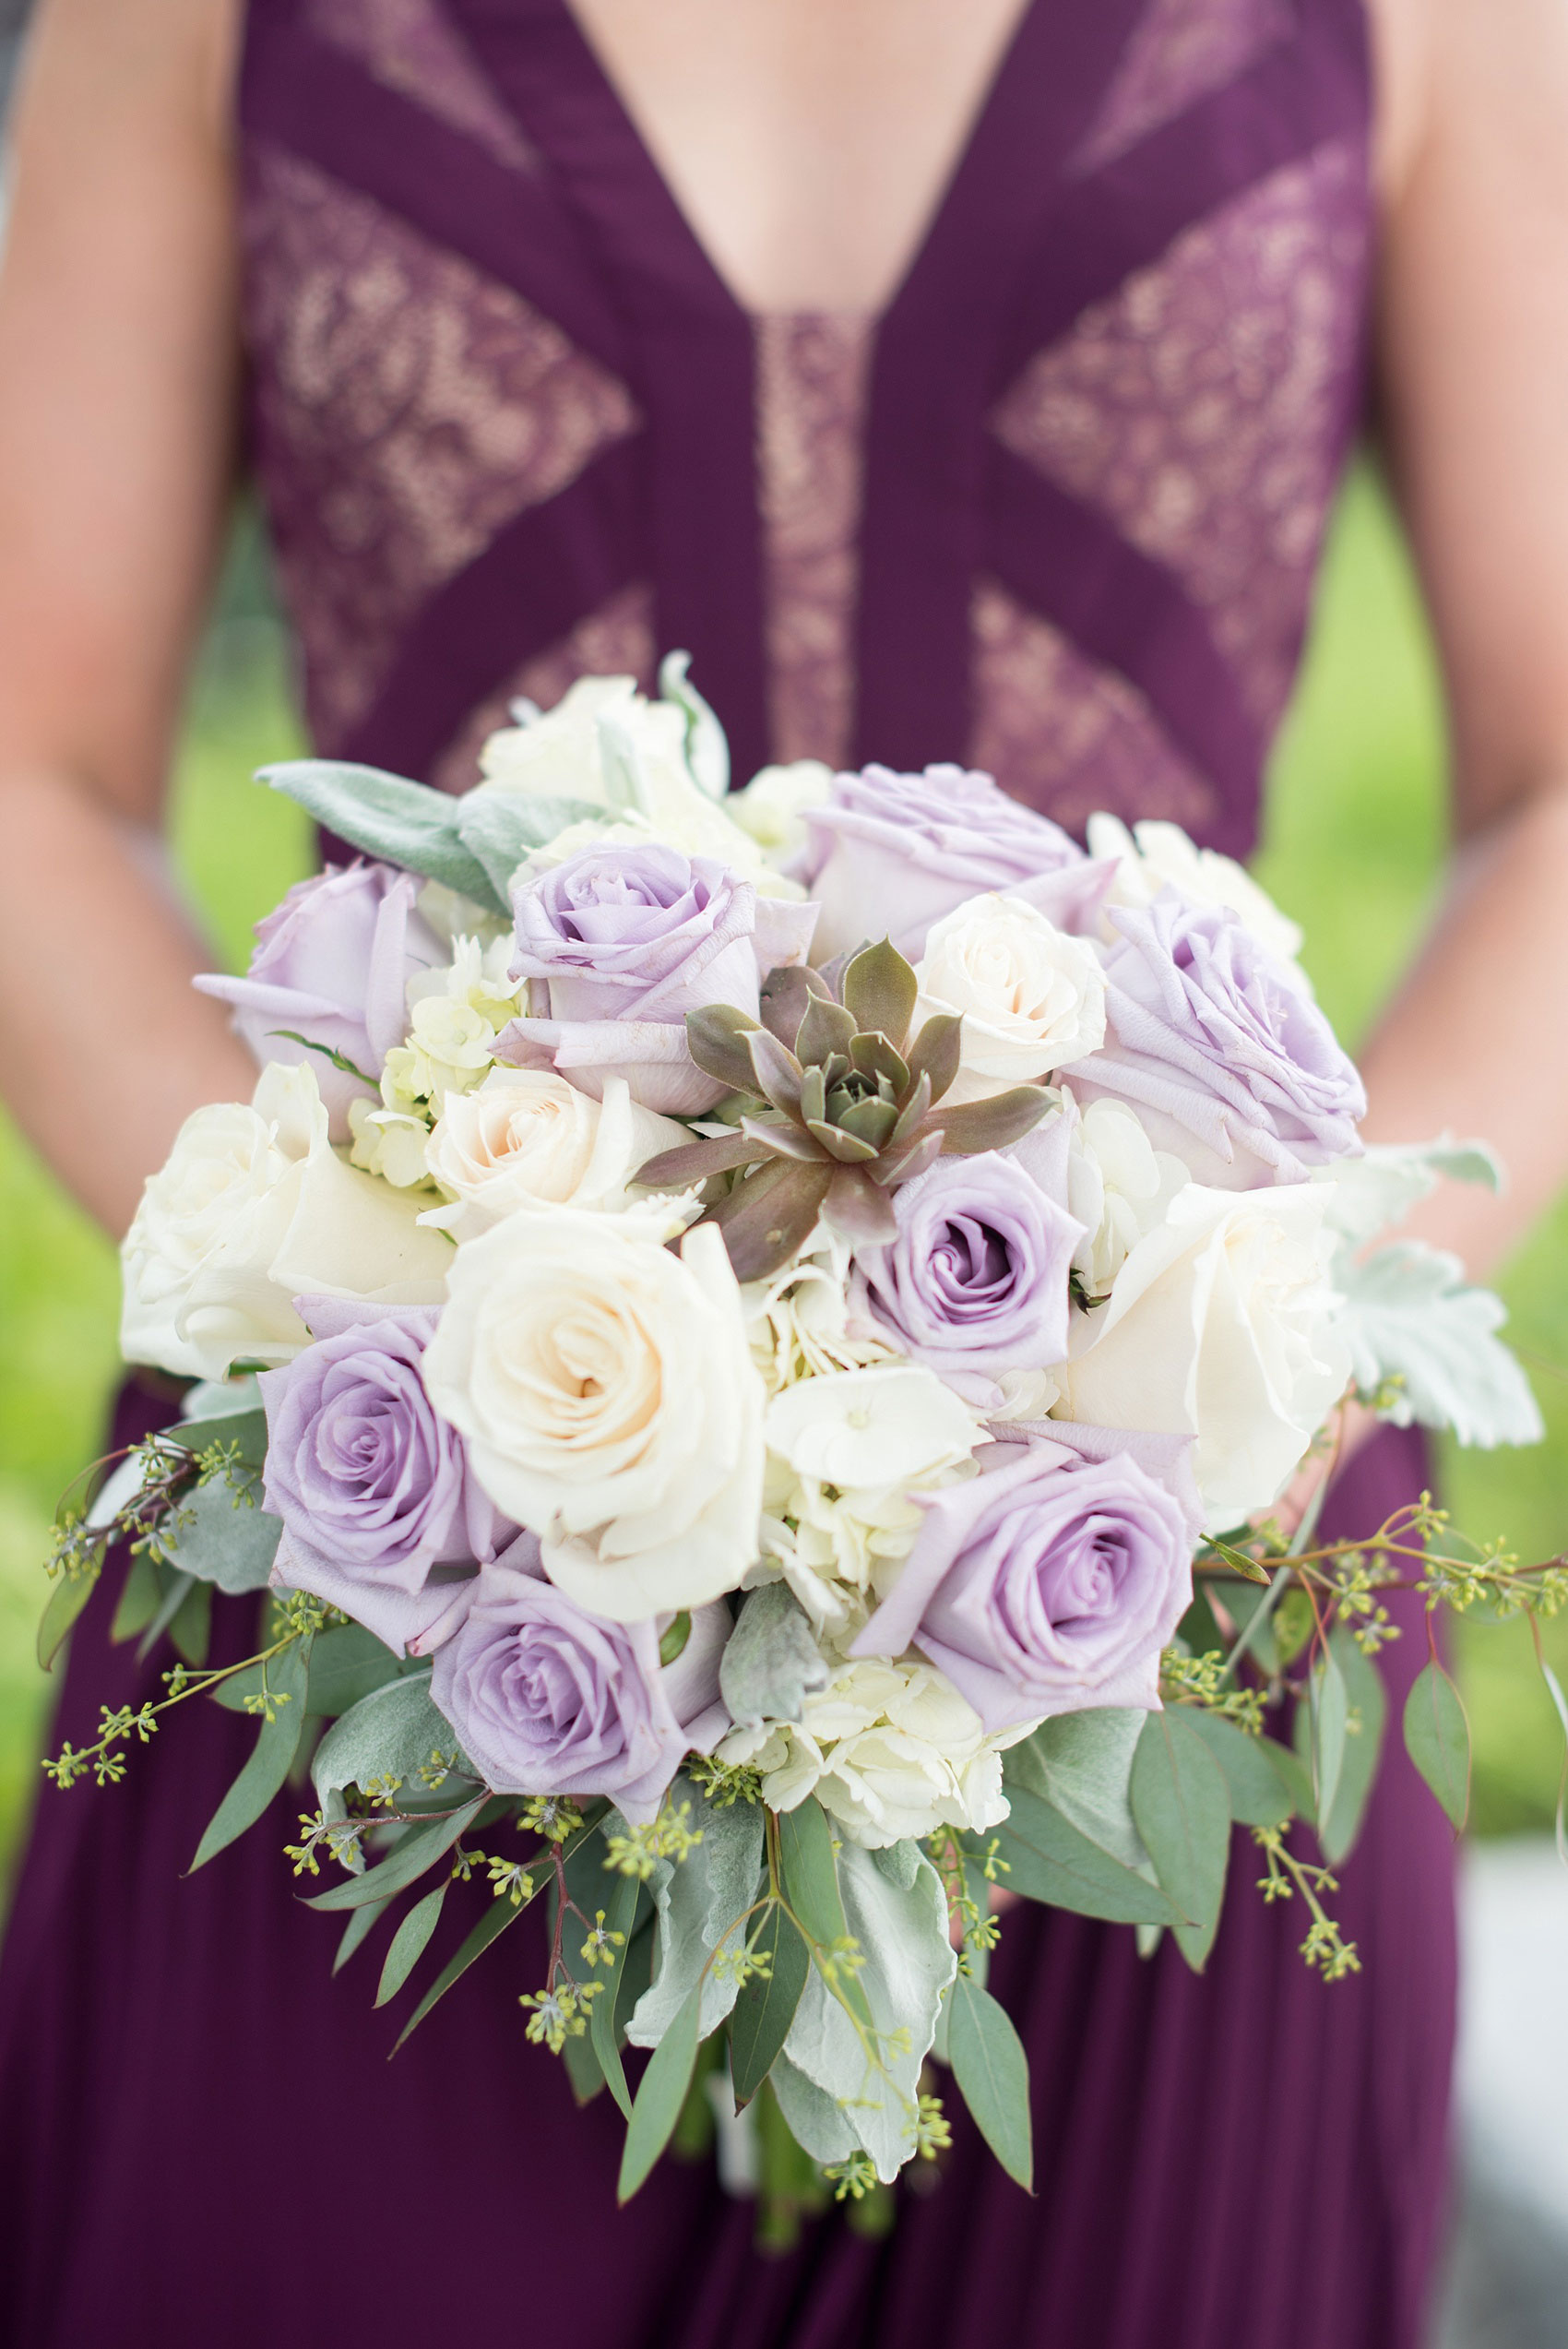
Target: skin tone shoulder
x: 808, y: 141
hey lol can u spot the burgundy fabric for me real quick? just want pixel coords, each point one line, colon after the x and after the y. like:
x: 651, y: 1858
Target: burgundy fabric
x: 503, y: 413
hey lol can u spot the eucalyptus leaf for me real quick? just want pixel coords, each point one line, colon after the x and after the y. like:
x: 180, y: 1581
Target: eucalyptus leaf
x: 1182, y: 1809
x: 190, y: 1626
x: 1437, y: 1738
x: 771, y: 1661
x: 390, y: 1734
x: 409, y: 1942
x: 66, y: 1600
x: 766, y: 2008
x: 1409, y: 1318
x: 908, y: 1962
x: 221, y: 1537
x: 270, y: 1759
x: 177, y: 1589
x: 620, y: 1916
x: 139, y: 1595
x: 1082, y: 1764
x: 406, y: 824
x: 698, y: 1900
x: 241, y: 1423
x: 1257, y: 1792
x: 348, y: 1663
x: 992, y: 2071
x: 1328, y: 1712
x: 810, y: 1883
x: 656, y: 2107
x: 1048, y: 1859
x: 418, y: 1848
x: 1368, y: 1706
x: 359, y: 1926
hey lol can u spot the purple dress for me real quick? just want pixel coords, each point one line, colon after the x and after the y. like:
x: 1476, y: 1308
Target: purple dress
x: 1057, y: 510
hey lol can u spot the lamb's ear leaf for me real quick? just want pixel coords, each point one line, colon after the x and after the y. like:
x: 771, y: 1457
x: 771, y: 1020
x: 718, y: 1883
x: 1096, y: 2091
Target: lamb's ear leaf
x: 498, y: 829
x: 406, y: 824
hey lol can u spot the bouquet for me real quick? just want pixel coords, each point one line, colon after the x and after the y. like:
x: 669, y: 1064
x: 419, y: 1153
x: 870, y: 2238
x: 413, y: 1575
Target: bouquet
x: 749, y: 1341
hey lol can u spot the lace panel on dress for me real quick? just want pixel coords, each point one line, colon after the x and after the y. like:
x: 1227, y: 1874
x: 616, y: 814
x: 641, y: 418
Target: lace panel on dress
x: 812, y: 375
x: 416, y: 50
x: 1202, y: 406
x: 615, y: 641
x: 407, y: 408
x: 1066, y: 735
x: 1180, y: 51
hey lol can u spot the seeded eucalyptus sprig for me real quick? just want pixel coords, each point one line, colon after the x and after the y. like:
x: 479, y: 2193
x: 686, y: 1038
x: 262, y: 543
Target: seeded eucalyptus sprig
x: 835, y: 1105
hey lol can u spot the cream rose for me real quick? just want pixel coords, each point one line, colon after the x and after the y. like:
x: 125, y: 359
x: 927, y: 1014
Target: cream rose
x: 1032, y: 998
x: 1156, y: 855
x: 253, y: 1209
x: 525, y: 1138
x: 605, y: 744
x: 1221, y: 1326
x: 1119, y: 1186
x: 607, y: 1391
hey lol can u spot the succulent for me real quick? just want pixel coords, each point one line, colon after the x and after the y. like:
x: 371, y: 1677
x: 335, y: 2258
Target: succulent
x: 834, y: 1106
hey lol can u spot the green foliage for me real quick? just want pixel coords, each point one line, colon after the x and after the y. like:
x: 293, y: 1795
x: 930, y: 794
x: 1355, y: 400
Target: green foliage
x: 267, y: 1770
x: 417, y: 1849
x: 1366, y: 1707
x: 409, y: 1942
x: 1437, y: 1738
x: 992, y: 2070
x: 656, y: 2107
x: 766, y: 2007
x: 1258, y: 1793
x: 1182, y: 1809
x: 1047, y: 1858
x: 392, y: 1740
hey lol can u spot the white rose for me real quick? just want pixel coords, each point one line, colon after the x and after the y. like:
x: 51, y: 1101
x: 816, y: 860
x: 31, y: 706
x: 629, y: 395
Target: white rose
x: 526, y: 1137
x: 1156, y: 855
x: 253, y: 1209
x: 1032, y: 998
x: 772, y: 806
x: 607, y: 1392
x: 605, y: 744
x: 1221, y: 1326
x: 1119, y: 1186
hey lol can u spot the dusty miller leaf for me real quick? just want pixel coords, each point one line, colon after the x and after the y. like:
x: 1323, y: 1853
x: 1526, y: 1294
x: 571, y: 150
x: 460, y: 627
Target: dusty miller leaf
x: 1409, y: 1316
x: 771, y: 1663
x: 698, y: 1899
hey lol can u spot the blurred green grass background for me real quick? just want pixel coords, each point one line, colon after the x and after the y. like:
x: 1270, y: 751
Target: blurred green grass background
x: 1354, y: 841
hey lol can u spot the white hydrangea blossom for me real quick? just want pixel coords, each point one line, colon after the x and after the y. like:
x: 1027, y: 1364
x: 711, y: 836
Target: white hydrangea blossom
x: 889, y: 1749
x: 1119, y: 1186
x: 454, y: 1014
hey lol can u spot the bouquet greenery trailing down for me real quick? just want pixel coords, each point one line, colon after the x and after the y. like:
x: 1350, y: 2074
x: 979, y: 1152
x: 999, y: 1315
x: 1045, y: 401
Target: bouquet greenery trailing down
x: 743, y: 1352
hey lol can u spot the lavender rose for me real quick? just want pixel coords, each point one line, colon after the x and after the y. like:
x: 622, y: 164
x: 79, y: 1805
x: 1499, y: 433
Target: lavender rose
x: 1050, y: 1583
x: 976, y: 1283
x: 382, y: 1516
x: 333, y: 963
x: 548, y: 1699
x: 618, y: 945
x: 890, y: 854
x: 1230, y: 1062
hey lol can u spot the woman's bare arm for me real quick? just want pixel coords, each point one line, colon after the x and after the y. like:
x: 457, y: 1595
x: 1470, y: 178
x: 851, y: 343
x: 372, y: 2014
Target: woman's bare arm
x: 1474, y: 356
x: 117, y: 380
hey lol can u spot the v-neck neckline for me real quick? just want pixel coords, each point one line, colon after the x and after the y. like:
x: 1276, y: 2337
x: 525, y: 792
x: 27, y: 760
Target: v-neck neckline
x: 972, y: 139
x: 590, y: 111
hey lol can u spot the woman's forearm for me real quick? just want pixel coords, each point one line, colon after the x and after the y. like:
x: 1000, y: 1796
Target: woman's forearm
x: 1475, y: 1041
x: 104, y: 1045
